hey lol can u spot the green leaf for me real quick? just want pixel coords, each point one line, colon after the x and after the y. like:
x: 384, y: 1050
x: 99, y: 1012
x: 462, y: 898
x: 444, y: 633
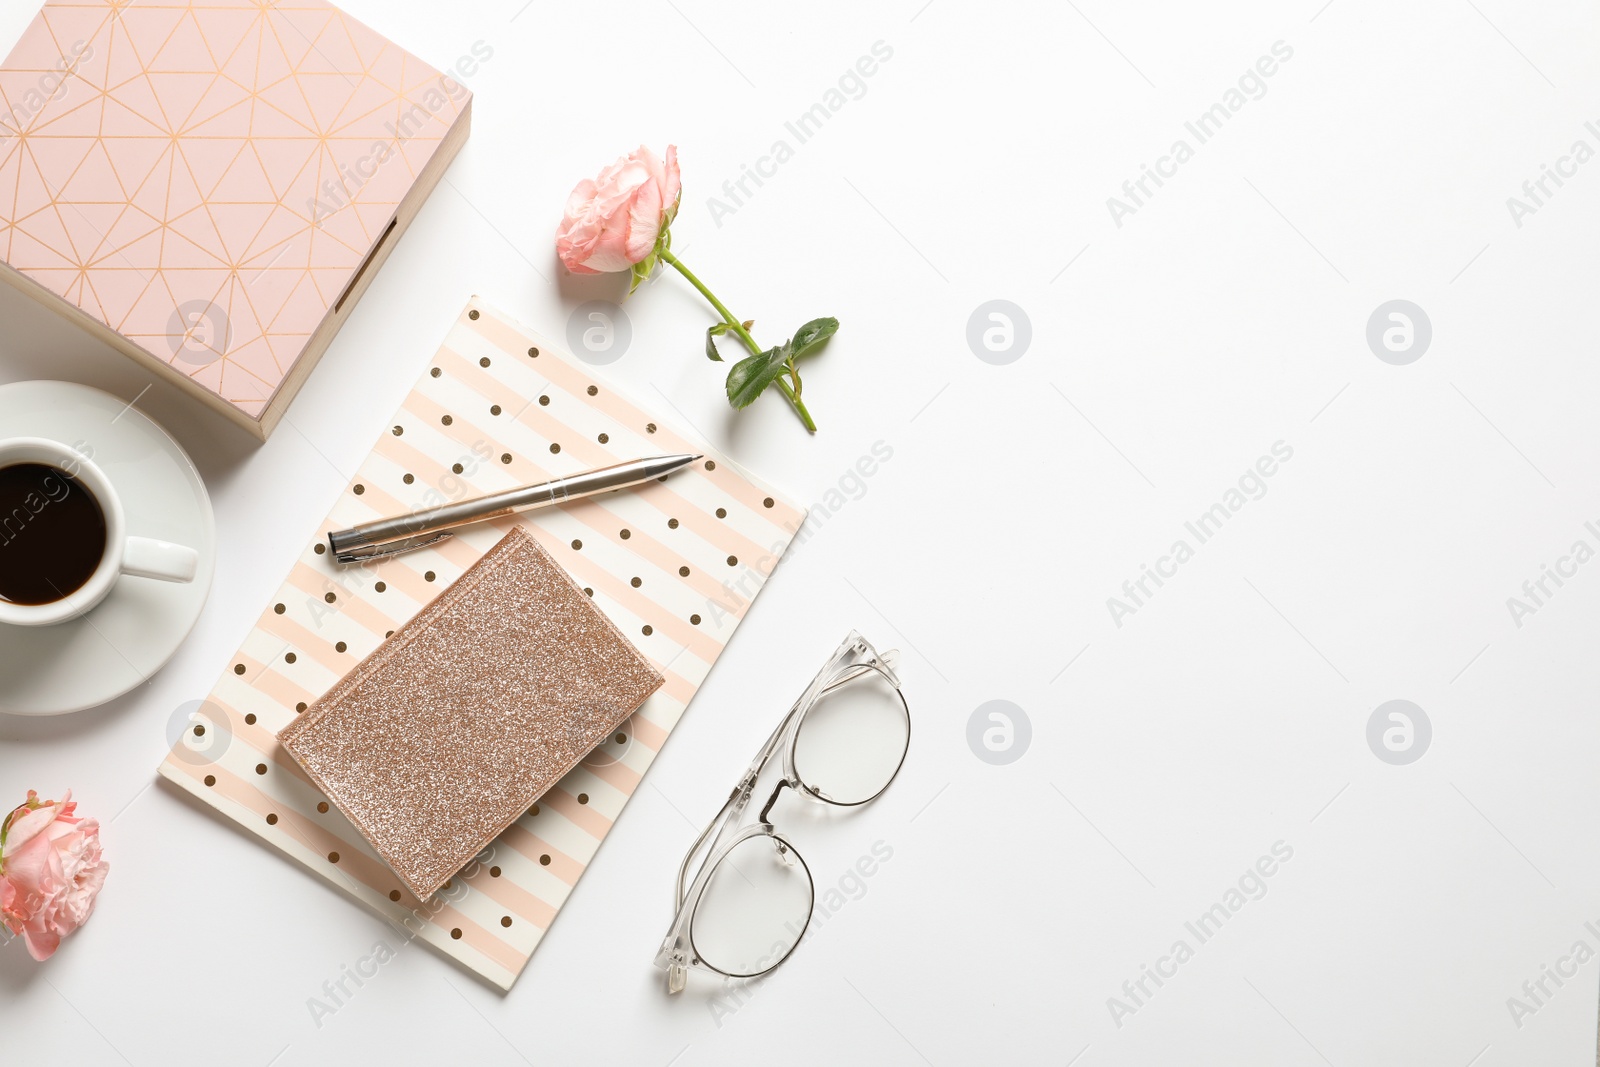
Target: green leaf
x: 811, y: 336
x: 750, y: 377
x: 32, y: 804
x: 641, y: 272
x: 719, y: 330
x: 645, y: 267
x: 712, y: 333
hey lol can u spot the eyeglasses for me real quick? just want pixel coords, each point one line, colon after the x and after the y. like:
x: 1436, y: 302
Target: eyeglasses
x: 749, y: 903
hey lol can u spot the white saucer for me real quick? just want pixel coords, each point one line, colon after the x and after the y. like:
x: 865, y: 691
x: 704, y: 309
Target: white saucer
x: 51, y: 670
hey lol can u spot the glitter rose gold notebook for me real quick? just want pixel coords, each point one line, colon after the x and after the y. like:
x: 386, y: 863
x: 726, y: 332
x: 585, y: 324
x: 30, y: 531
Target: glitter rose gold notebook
x: 458, y: 723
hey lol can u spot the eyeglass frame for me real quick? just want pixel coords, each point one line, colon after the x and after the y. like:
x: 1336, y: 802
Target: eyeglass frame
x: 678, y: 952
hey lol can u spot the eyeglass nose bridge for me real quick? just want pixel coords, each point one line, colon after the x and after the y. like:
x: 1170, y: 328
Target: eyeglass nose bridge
x: 773, y: 799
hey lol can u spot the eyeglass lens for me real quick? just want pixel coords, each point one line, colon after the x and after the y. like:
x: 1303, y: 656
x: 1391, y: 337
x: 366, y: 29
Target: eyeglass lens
x: 754, y: 908
x: 853, y: 739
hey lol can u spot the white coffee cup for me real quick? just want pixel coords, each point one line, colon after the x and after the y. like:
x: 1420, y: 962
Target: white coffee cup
x: 137, y: 557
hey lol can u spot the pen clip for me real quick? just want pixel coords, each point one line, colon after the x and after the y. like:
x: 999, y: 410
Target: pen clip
x: 390, y: 548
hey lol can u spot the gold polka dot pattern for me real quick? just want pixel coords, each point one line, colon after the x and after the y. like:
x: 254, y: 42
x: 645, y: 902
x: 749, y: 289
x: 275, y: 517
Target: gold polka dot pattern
x: 683, y: 571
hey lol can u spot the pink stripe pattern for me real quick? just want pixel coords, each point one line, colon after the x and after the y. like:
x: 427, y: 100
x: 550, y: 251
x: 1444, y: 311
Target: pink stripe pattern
x: 484, y: 416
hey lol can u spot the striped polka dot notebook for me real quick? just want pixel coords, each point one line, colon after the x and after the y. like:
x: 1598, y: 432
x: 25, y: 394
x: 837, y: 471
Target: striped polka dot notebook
x: 674, y: 565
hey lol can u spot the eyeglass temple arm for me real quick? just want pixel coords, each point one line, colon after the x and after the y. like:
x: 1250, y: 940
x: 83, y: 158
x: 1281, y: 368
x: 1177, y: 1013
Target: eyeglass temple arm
x: 734, y: 806
x: 717, y: 821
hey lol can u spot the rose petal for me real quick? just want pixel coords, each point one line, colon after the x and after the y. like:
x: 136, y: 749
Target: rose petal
x: 644, y: 223
x: 23, y: 830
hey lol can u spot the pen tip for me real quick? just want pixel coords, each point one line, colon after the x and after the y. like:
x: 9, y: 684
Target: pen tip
x: 697, y: 455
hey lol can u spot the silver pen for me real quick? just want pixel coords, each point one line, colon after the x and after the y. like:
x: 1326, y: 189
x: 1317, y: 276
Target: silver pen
x: 389, y: 537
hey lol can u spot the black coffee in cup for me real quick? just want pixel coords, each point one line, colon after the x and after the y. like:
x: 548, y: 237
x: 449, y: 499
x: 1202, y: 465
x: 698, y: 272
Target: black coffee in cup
x: 52, y: 534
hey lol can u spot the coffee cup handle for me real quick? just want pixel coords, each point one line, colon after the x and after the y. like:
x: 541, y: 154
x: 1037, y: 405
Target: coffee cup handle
x: 164, y: 561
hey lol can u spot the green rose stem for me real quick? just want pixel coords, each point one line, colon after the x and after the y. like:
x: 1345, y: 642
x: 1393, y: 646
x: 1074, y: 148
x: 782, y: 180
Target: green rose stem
x: 744, y: 335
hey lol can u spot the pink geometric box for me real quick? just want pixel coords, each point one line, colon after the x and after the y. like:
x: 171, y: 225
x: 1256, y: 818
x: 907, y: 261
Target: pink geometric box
x: 210, y: 186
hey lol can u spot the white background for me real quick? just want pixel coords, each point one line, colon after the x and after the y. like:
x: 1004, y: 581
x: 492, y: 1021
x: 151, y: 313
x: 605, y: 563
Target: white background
x: 1227, y: 714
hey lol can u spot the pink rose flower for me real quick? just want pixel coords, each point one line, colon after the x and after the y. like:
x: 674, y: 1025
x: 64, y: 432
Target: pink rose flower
x: 614, y: 222
x: 622, y: 221
x: 51, y: 872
